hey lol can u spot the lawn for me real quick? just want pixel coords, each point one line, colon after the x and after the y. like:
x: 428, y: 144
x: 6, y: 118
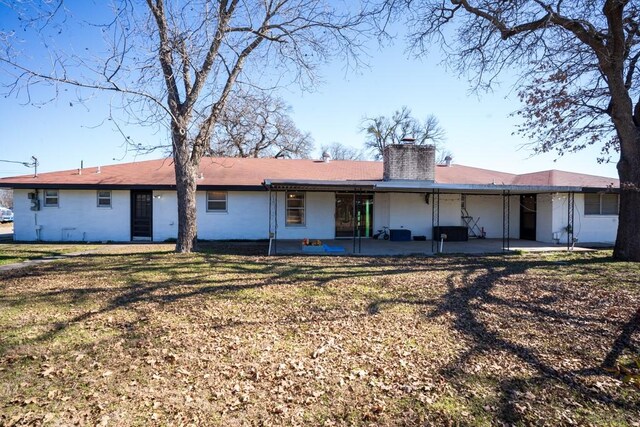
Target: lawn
x: 137, y: 335
x: 16, y: 253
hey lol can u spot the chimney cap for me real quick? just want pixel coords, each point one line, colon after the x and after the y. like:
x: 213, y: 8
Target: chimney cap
x: 408, y: 140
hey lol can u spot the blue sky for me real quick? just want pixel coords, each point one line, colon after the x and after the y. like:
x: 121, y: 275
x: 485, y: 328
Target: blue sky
x: 479, y: 127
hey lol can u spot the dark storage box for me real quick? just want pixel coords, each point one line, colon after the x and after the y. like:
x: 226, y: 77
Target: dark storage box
x: 454, y: 234
x: 400, y: 235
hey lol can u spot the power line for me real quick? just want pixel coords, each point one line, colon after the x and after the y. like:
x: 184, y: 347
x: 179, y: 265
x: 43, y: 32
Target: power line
x: 27, y: 164
x: 33, y: 164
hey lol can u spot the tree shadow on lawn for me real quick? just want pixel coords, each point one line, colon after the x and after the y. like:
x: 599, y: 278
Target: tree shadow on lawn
x: 467, y: 300
x: 469, y: 282
x: 183, y: 277
x: 8, y: 257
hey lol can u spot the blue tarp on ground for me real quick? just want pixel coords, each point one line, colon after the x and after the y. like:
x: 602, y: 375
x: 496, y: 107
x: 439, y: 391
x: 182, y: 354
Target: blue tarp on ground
x: 333, y: 249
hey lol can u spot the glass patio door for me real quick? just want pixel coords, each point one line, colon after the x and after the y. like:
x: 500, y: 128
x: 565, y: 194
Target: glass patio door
x: 353, y: 213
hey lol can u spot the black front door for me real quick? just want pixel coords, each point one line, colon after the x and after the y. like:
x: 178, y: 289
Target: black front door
x: 141, y: 209
x: 528, y: 217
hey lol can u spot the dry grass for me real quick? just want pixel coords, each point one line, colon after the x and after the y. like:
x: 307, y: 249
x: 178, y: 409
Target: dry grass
x: 143, y: 336
x: 11, y: 253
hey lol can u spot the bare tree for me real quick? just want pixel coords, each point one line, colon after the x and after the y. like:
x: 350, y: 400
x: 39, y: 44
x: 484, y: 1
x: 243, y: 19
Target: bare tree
x: 256, y: 124
x: 339, y: 151
x: 578, y: 67
x: 176, y: 63
x: 382, y: 130
x: 6, y: 198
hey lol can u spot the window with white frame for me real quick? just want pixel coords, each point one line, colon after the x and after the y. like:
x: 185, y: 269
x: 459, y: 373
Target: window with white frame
x: 601, y: 204
x: 216, y: 201
x: 104, y: 198
x: 295, y: 208
x: 51, y: 198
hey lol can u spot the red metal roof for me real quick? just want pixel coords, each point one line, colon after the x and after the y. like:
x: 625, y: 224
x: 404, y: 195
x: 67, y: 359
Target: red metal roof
x: 252, y: 172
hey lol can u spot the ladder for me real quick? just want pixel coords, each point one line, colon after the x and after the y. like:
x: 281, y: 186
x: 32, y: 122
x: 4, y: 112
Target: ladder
x: 471, y: 223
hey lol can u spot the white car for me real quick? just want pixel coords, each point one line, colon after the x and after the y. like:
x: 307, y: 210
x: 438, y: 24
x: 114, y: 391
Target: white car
x: 6, y: 215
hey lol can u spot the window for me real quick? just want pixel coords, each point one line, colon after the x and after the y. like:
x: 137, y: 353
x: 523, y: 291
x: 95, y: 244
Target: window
x: 609, y: 204
x: 600, y: 204
x: 51, y: 198
x: 216, y: 201
x: 104, y: 199
x: 295, y: 208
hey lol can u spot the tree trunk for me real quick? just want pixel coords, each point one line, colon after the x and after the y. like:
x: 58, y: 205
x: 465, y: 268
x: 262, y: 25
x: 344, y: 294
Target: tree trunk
x: 186, y: 174
x: 627, y: 246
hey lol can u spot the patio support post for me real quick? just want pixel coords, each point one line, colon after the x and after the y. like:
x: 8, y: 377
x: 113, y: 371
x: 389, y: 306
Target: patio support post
x: 435, y: 219
x: 273, y: 222
x: 506, y: 223
x: 355, y: 225
x: 359, y: 219
x: 570, y: 215
x: 270, y: 232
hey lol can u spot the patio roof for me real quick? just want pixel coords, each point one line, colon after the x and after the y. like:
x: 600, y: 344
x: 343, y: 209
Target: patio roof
x: 318, y: 185
x: 413, y: 187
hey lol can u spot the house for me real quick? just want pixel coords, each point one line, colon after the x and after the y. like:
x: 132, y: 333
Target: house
x: 249, y: 198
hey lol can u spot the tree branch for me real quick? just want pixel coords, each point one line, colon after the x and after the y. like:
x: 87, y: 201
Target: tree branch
x: 113, y: 87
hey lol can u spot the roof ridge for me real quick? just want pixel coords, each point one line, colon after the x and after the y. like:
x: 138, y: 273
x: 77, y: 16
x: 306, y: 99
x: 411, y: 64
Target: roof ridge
x: 477, y: 168
x: 554, y: 171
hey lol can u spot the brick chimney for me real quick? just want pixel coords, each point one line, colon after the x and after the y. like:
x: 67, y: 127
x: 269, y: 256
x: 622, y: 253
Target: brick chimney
x: 409, y: 162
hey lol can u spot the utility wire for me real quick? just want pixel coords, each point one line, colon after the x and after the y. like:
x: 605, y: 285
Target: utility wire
x: 33, y: 164
x: 27, y: 164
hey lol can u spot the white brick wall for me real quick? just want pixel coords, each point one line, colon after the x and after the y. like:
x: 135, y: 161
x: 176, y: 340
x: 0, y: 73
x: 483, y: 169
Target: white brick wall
x: 320, y: 217
x: 77, y: 217
x: 487, y: 209
x: 587, y: 228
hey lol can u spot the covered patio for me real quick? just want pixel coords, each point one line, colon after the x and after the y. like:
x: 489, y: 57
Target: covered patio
x: 361, y: 244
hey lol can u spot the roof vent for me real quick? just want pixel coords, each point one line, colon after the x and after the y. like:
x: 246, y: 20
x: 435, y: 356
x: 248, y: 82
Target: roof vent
x: 98, y: 170
x: 326, y: 157
x: 447, y: 161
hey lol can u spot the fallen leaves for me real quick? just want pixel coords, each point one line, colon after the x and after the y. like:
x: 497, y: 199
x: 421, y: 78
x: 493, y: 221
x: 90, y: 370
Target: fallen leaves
x: 48, y: 371
x: 209, y: 339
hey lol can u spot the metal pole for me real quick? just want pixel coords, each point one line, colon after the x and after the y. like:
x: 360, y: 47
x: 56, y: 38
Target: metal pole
x: 508, y: 220
x: 270, y: 235
x: 433, y: 220
x: 438, y: 211
x: 505, y: 221
x: 570, y: 217
x: 275, y: 224
x: 353, y: 218
x: 360, y: 221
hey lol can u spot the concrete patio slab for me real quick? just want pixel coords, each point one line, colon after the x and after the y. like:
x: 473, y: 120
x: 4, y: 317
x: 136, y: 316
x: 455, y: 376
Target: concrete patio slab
x: 371, y: 247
